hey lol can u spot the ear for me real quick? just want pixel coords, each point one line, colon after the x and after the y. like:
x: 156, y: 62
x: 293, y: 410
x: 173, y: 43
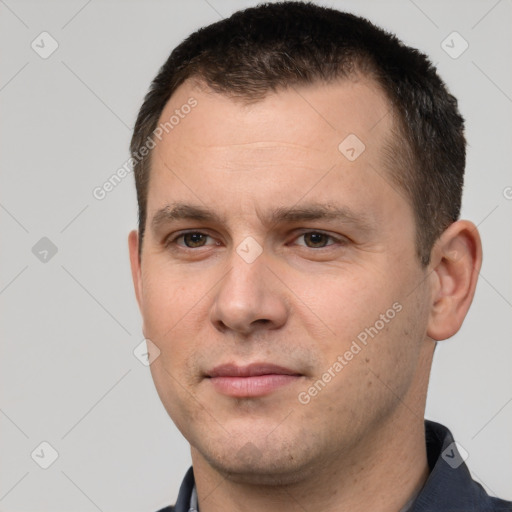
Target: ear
x: 133, y: 246
x: 456, y: 259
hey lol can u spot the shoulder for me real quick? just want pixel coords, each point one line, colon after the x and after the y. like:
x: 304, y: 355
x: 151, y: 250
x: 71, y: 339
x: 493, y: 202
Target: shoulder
x: 499, y: 505
x: 450, y: 485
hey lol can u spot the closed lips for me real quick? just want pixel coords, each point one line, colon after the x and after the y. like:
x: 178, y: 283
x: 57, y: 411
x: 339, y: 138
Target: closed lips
x: 251, y: 381
x: 252, y: 370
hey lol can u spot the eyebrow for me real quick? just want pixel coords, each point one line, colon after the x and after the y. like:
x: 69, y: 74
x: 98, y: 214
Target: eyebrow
x: 308, y: 212
x: 181, y: 211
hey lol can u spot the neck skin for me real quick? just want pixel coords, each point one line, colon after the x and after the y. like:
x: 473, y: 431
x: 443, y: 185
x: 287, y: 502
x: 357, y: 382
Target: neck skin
x: 384, y: 472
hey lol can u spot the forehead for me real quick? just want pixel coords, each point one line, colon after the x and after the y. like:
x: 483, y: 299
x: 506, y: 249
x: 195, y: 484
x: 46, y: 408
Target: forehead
x: 217, y: 150
x: 315, y: 116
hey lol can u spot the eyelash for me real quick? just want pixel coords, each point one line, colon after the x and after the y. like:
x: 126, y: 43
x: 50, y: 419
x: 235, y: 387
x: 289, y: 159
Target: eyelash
x: 334, y: 240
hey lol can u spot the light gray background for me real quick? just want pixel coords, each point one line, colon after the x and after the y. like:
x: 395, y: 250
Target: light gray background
x: 70, y: 325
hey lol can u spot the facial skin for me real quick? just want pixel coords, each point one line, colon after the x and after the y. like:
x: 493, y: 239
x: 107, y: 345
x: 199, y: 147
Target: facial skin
x: 299, y: 304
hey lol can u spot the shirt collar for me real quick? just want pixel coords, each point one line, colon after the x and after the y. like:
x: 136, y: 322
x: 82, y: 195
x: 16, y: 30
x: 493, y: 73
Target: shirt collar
x: 193, y: 506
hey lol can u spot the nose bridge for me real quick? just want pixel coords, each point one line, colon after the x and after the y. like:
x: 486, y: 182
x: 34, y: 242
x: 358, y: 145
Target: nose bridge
x: 246, y: 297
x: 246, y: 283
x: 248, y: 264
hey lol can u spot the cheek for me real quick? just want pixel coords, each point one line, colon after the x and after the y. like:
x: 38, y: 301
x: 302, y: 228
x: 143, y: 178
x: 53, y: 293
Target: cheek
x: 169, y: 297
x: 346, y: 305
x: 392, y: 353
x: 174, y: 392
x: 173, y: 315
x: 369, y: 319
x: 377, y: 373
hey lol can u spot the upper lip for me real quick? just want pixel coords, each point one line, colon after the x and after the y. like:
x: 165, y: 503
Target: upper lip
x: 251, y: 370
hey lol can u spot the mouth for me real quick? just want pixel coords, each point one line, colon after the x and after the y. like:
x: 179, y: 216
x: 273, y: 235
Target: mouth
x: 254, y: 380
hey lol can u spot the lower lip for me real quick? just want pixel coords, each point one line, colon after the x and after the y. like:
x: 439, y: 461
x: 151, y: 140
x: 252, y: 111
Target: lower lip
x: 257, y: 385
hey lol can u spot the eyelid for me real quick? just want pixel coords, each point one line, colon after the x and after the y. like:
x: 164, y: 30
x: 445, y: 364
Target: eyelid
x: 172, y: 239
x: 340, y: 239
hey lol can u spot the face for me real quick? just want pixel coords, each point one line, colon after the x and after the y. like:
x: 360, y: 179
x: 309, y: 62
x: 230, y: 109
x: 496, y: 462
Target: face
x: 279, y: 277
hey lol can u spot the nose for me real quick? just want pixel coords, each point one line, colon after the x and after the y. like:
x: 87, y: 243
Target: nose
x: 249, y: 298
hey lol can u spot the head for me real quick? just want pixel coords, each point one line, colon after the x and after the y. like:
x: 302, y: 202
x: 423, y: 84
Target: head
x: 301, y: 210
x: 298, y: 44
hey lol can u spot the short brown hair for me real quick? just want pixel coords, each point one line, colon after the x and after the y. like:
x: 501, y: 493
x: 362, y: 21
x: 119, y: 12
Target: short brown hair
x: 274, y: 46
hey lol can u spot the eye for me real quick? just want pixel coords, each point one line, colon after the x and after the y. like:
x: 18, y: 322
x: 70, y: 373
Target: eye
x: 316, y: 240
x: 191, y: 240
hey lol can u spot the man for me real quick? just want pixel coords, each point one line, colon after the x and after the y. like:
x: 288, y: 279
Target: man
x: 299, y: 176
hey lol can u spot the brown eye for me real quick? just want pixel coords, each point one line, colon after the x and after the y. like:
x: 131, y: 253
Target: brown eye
x: 193, y: 240
x: 315, y: 240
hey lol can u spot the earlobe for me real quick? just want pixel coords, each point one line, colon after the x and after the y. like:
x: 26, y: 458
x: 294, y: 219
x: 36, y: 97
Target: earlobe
x: 456, y: 262
x: 133, y: 247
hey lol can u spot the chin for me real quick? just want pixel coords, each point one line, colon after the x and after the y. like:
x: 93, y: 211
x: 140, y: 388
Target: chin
x: 272, y: 465
x: 268, y: 473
